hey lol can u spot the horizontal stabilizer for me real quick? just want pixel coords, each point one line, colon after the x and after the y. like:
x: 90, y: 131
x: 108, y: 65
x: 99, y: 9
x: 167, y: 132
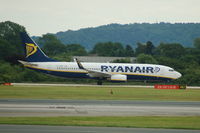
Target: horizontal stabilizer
x: 25, y: 63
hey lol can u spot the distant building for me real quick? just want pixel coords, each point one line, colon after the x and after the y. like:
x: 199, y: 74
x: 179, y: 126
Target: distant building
x: 102, y: 59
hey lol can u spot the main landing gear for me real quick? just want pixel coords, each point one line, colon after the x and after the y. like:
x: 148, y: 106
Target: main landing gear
x: 99, y: 82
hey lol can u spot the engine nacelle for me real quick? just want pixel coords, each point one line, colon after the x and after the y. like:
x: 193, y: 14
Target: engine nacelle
x: 118, y: 78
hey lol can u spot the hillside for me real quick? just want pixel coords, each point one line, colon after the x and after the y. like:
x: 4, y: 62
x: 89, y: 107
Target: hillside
x: 183, y: 33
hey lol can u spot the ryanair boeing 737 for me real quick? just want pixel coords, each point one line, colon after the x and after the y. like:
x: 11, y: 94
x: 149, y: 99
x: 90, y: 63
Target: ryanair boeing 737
x: 37, y: 60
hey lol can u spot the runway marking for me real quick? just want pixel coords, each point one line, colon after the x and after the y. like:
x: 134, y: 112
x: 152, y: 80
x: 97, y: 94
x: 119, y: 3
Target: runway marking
x: 97, y: 108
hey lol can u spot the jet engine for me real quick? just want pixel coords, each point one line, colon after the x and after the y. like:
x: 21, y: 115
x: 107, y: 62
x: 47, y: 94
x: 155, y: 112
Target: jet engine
x: 118, y: 78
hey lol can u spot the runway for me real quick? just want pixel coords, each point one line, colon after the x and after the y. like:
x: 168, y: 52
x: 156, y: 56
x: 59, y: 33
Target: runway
x: 71, y: 129
x: 30, y: 107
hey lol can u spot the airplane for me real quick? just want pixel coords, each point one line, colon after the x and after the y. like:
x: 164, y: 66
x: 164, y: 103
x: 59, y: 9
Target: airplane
x: 37, y: 60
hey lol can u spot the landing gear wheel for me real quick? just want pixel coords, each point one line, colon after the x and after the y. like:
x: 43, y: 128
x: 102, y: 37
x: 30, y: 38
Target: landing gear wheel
x: 99, y: 82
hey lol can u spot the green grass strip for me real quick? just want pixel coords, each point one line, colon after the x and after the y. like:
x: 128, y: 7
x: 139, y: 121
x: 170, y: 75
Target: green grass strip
x: 98, y: 93
x: 190, y: 122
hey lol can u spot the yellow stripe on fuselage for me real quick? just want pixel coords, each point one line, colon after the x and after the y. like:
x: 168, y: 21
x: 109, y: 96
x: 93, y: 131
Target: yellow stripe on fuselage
x: 118, y: 80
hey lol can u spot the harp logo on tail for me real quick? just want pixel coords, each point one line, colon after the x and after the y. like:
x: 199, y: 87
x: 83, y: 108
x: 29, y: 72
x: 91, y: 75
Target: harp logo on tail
x: 30, y: 49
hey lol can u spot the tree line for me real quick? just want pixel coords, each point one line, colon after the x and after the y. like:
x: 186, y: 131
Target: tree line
x: 183, y: 59
x: 183, y: 33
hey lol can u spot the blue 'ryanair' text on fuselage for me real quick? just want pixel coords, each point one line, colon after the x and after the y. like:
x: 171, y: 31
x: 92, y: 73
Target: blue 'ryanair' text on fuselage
x: 137, y: 69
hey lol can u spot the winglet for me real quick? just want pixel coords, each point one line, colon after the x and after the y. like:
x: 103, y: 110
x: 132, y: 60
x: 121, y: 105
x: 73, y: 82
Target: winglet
x: 79, y: 64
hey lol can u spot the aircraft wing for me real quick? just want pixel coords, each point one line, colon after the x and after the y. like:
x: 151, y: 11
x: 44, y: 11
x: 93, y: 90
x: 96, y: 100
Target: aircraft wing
x: 92, y: 73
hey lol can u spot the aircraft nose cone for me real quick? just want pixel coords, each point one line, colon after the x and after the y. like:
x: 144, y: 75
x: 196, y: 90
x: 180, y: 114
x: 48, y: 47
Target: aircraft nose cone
x: 178, y: 75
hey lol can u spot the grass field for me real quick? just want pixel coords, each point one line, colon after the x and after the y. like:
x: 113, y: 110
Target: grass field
x: 134, y: 121
x: 103, y: 93
x: 99, y: 93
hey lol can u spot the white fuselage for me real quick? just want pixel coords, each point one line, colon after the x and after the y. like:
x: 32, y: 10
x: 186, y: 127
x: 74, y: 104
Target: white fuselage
x: 133, y: 71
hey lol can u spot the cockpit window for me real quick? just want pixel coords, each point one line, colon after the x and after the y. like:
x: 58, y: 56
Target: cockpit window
x: 171, y: 70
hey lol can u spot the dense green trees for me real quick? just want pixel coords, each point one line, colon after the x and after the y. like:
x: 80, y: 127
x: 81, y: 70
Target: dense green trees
x: 108, y: 49
x: 147, y: 59
x: 5, y: 49
x: 112, y: 49
x: 129, y: 52
x: 10, y: 42
x: 147, y: 48
x: 172, y: 50
x: 75, y: 49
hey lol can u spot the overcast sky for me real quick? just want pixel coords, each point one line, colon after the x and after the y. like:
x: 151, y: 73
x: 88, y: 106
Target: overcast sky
x: 51, y: 16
